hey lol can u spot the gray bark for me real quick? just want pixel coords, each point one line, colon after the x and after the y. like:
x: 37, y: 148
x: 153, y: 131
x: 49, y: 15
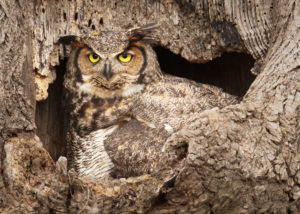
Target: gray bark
x: 244, y: 158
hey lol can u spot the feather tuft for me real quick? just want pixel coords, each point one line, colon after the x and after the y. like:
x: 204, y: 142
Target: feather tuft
x: 72, y: 40
x: 142, y: 33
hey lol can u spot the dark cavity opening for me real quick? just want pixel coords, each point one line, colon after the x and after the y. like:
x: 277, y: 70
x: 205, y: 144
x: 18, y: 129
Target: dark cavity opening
x: 76, y: 16
x: 49, y: 116
x: 101, y: 21
x: 231, y: 71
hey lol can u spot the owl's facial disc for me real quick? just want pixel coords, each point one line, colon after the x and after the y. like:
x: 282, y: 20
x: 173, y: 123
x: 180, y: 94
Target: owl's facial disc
x: 111, y: 74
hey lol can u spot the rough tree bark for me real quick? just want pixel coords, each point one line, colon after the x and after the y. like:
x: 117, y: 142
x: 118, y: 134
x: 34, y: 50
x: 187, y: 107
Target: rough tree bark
x: 241, y: 159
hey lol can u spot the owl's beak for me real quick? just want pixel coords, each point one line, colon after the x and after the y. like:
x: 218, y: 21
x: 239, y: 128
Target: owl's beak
x: 107, y: 71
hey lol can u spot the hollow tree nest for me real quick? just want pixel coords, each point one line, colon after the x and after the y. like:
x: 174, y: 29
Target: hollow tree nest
x: 241, y: 158
x: 231, y: 72
x: 183, y: 51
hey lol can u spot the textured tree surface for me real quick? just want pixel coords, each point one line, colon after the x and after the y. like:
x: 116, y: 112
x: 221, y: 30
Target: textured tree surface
x: 244, y: 158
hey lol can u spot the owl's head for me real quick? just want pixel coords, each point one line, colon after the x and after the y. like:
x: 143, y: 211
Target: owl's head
x: 112, y: 63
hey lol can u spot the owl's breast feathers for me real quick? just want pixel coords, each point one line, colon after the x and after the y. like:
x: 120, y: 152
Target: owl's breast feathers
x: 91, y: 114
x: 91, y: 120
x: 89, y: 156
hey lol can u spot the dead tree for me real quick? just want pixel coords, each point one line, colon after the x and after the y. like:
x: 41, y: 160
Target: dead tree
x: 244, y: 158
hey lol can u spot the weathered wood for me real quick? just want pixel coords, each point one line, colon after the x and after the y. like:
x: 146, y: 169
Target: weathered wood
x: 241, y: 159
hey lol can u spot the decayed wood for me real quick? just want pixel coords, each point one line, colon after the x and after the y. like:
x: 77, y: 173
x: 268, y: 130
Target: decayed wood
x: 17, y: 100
x: 241, y: 159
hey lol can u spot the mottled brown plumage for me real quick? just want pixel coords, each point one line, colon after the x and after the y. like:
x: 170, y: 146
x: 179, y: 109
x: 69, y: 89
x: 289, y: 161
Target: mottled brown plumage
x: 120, y: 107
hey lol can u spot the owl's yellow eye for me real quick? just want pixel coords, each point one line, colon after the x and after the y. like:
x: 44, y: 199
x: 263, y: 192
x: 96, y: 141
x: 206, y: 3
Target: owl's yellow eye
x: 94, y: 57
x: 125, y: 57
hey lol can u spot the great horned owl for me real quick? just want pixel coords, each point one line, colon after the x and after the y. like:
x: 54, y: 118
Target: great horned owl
x: 121, y: 108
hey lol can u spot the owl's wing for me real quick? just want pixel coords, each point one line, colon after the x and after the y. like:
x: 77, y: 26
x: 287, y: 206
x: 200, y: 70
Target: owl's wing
x: 168, y: 104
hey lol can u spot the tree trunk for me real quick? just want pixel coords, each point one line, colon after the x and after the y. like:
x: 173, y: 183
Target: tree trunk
x: 244, y: 158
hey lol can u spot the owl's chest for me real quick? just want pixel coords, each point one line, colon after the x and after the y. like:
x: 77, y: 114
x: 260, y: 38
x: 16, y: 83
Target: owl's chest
x: 94, y: 113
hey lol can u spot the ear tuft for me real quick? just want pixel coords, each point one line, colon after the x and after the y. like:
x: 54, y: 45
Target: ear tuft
x: 143, y: 33
x: 74, y: 41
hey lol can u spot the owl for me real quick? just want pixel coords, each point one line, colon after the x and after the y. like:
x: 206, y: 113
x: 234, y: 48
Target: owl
x: 120, y: 108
